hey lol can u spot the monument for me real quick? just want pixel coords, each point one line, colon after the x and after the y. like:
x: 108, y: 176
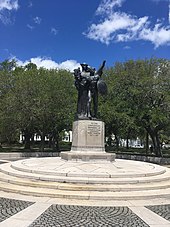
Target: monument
x: 87, y: 172
x: 88, y: 132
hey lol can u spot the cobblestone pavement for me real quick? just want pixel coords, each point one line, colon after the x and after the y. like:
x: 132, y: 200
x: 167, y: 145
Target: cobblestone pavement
x: 20, y: 213
x: 162, y: 210
x: 77, y: 216
x: 9, y: 207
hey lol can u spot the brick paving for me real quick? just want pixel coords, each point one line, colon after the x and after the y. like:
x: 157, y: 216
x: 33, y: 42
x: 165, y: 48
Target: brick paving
x: 9, y: 207
x: 161, y: 210
x: 77, y: 216
x: 56, y: 215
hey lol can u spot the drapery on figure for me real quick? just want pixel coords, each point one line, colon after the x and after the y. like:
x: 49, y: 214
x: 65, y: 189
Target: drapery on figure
x: 88, y: 83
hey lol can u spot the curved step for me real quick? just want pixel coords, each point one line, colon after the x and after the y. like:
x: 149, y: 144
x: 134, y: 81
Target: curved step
x: 83, y: 187
x: 85, y: 195
x: 29, y: 177
x: 153, y: 170
x: 6, y: 168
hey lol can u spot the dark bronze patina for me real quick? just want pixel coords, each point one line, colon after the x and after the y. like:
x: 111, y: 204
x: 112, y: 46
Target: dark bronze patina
x: 89, y: 83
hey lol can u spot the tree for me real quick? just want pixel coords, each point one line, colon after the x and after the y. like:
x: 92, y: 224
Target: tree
x: 142, y: 90
x: 46, y: 98
x: 115, y: 112
x: 7, y: 83
x: 35, y: 101
x: 55, y: 104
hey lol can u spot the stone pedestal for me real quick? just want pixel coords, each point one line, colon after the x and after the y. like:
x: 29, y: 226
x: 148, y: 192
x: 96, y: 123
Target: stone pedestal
x: 88, y: 136
x: 88, y: 142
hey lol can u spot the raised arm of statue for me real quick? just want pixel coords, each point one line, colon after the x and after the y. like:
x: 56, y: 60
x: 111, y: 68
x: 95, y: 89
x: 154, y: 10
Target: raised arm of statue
x: 100, y: 70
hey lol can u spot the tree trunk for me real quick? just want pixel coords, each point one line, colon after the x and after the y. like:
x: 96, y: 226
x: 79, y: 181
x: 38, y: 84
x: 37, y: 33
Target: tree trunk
x: 127, y: 139
x: 27, y: 142
x: 117, y: 142
x: 109, y: 141
x: 156, y: 142
x: 50, y: 142
x: 42, y: 141
x: 158, y: 147
x: 147, y: 142
x: 32, y: 139
x: 57, y: 142
x: 127, y: 143
x: 54, y: 141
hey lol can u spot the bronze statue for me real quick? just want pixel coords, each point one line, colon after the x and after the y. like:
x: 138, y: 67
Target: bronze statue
x: 88, y: 83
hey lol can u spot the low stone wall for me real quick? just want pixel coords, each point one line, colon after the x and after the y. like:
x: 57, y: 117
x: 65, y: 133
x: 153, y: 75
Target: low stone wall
x: 152, y: 159
x: 20, y: 155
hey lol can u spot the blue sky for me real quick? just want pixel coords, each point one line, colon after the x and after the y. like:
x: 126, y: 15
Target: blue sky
x: 64, y: 33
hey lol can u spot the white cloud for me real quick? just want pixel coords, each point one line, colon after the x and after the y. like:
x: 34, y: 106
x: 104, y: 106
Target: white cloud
x: 158, y: 35
x: 69, y: 65
x: 30, y: 26
x: 126, y: 47
x: 106, y: 6
x: 6, y: 6
x: 5, y: 17
x: 37, y: 20
x: 107, y: 30
x: 49, y: 64
x: 122, y: 27
x: 54, y: 31
x: 9, y: 5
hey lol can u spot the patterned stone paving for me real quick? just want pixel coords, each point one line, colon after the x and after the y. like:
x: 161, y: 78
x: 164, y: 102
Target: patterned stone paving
x: 9, y: 207
x: 162, y: 210
x: 78, y: 216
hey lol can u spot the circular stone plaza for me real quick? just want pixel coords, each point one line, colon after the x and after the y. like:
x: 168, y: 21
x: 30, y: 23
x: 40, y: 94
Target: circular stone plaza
x: 53, y: 191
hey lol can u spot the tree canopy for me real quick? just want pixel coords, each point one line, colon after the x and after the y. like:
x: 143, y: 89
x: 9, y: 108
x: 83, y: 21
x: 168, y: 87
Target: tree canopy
x: 43, y: 101
x: 139, y: 96
x: 36, y: 101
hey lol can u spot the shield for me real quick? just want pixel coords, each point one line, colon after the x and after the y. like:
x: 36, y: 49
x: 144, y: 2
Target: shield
x: 102, y: 87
